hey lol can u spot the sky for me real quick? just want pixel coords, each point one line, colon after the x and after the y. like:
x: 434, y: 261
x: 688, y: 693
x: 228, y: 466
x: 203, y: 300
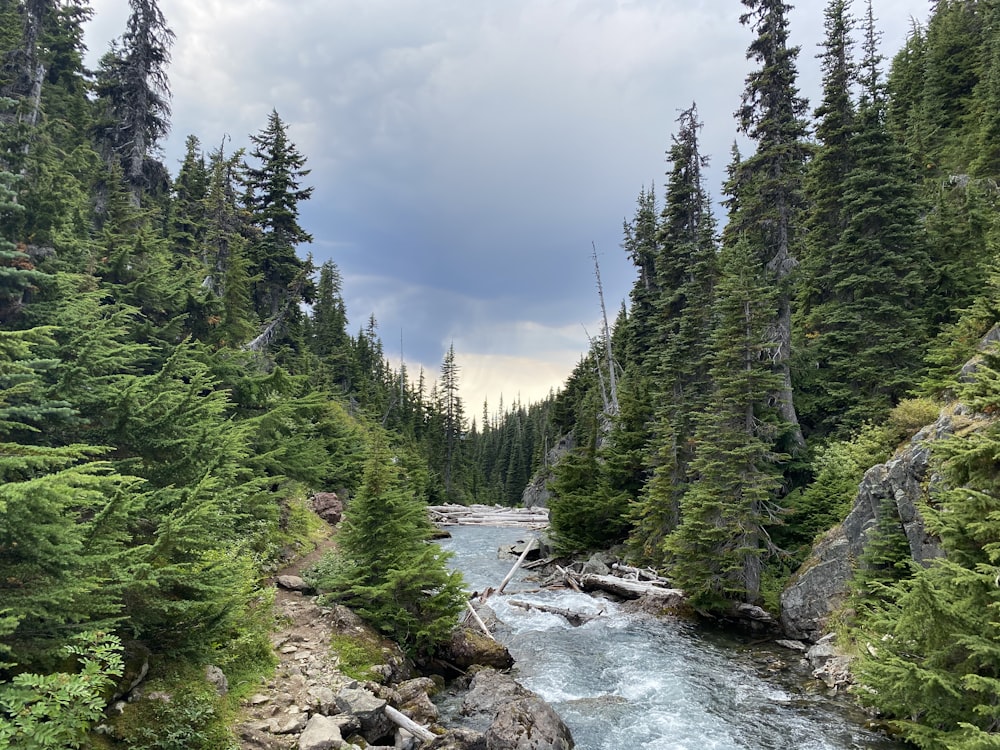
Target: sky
x: 468, y: 156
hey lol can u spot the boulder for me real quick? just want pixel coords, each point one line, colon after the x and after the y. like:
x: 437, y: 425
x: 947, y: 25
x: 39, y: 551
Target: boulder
x: 598, y: 564
x: 528, y: 724
x: 489, y: 690
x: 217, y: 678
x: 413, y: 699
x: 468, y: 648
x: 327, y: 505
x: 459, y: 739
x: 369, y: 710
x: 321, y: 733
x: 292, y: 583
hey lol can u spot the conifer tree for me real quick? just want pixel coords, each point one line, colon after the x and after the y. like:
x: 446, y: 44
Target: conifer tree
x: 685, y: 271
x: 134, y: 91
x: 865, y: 338
x: 718, y: 549
x: 387, y: 570
x: 329, y: 338
x: 769, y: 183
x: 273, y: 195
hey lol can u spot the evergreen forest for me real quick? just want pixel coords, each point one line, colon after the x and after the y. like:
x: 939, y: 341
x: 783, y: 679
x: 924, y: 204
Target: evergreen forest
x: 178, y: 376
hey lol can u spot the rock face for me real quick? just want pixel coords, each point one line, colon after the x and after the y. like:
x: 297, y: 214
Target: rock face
x: 820, y: 586
x: 536, y: 494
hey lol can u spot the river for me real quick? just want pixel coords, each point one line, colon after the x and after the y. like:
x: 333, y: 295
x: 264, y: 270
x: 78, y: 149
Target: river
x: 626, y: 681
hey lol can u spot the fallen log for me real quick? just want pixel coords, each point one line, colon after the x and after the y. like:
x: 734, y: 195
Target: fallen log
x: 574, y: 618
x: 506, y: 580
x: 627, y: 589
x: 640, y: 573
x: 479, y: 621
x: 569, y: 578
x: 405, y: 722
x: 485, y: 515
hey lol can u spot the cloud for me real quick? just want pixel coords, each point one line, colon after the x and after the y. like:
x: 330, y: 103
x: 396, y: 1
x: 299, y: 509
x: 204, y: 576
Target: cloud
x: 465, y: 155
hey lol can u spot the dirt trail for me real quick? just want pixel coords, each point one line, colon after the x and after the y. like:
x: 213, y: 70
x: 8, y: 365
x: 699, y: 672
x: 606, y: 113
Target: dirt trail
x: 306, y: 678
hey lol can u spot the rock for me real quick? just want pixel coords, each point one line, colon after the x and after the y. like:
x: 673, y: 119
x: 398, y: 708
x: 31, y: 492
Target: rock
x: 216, y: 677
x: 290, y: 724
x: 292, y: 583
x: 537, y: 494
x: 528, y: 724
x: 819, y: 588
x: 835, y: 673
x: 322, y: 699
x: 459, y: 739
x: 597, y: 564
x: 368, y: 708
x: 488, y: 690
x: 413, y: 699
x: 321, y: 733
x: 327, y: 505
x: 468, y: 648
x: 792, y: 645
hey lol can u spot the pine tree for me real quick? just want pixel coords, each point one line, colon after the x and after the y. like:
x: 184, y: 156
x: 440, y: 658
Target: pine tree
x: 387, y: 570
x: 273, y: 195
x: 865, y: 339
x: 452, y: 425
x: 18, y: 276
x: 134, y: 90
x: 768, y: 185
x: 717, y: 551
x: 329, y: 338
x: 685, y: 272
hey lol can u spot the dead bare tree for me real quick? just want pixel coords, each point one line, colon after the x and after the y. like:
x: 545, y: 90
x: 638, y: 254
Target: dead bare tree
x: 611, y: 402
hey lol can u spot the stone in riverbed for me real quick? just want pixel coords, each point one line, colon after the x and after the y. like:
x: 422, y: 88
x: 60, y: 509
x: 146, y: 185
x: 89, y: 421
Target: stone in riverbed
x: 514, y: 718
x: 469, y: 647
x: 528, y: 724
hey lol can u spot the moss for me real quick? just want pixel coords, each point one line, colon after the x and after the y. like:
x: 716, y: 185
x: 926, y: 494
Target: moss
x: 358, y: 655
x: 185, y: 713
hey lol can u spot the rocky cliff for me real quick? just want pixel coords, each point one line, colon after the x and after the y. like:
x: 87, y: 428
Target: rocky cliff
x: 820, y: 586
x: 536, y: 494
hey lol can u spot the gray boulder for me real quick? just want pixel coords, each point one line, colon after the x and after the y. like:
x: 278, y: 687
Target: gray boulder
x: 528, y: 724
x: 321, y: 733
x: 511, y: 716
x: 369, y: 710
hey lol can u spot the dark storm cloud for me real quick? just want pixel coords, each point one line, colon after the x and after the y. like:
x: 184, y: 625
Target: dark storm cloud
x: 466, y: 153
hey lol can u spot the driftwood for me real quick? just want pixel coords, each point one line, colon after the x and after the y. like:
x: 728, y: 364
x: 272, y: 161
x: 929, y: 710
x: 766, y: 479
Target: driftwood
x: 506, y: 580
x: 639, y: 573
x: 489, y: 515
x: 403, y: 721
x: 479, y: 621
x: 570, y: 580
x: 628, y: 589
x: 574, y: 618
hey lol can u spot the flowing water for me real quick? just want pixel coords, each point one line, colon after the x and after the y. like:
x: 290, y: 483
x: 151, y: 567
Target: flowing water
x: 628, y: 681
